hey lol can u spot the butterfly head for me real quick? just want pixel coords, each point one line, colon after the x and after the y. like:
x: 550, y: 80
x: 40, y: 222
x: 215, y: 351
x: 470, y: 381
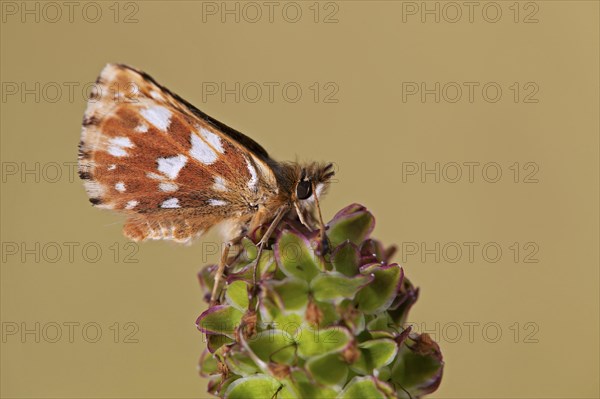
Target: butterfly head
x: 307, y: 184
x: 311, y: 180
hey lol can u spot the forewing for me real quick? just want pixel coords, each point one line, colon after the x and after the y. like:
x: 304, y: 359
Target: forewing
x: 175, y: 171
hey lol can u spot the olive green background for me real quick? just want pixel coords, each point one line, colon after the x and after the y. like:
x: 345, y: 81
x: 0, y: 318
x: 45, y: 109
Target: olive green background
x: 368, y: 56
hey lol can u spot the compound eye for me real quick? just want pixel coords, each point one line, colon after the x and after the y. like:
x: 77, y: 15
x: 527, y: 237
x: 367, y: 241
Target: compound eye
x: 304, y: 189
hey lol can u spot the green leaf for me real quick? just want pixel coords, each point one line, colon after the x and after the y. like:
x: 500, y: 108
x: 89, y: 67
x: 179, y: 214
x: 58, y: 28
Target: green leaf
x: 380, y: 322
x: 246, y: 271
x: 293, y: 293
x: 237, y: 295
x: 274, y: 345
x: 239, y: 363
x: 346, y: 259
x: 352, y: 223
x: 353, y: 319
x: 207, y: 364
x: 330, y: 313
x: 253, y: 387
x: 407, y: 296
x: 383, y: 334
x: 249, y: 249
x: 328, y: 369
x: 418, y: 372
x: 312, y: 342
x: 267, y: 262
x: 287, y: 392
x: 221, y: 319
x: 216, y: 385
x: 206, y: 277
x: 296, y: 257
x: 308, y: 389
x: 384, y: 373
x: 334, y: 287
x: 377, y: 296
x: 290, y: 322
x: 361, y: 388
x: 215, y: 341
x: 375, y: 354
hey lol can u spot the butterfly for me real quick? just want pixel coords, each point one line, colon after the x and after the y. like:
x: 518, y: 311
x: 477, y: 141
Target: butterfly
x: 175, y: 172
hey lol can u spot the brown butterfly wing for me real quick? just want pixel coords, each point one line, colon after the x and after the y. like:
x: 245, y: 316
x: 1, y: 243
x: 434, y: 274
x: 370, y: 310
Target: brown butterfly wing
x: 175, y: 171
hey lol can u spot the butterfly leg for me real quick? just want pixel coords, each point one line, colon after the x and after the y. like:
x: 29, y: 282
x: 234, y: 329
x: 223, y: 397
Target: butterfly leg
x: 322, y: 237
x: 219, y: 276
x: 265, y: 238
x: 301, y: 216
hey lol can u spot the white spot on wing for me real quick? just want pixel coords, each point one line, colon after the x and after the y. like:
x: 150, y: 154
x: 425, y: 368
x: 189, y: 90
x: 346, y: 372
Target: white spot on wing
x: 170, y: 203
x: 120, y: 187
x: 213, y: 139
x: 142, y: 128
x: 168, y: 187
x: 131, y: 204
x: 172, y: 165
x: 253, y: 175
x: 156, y: 95
x: 117, y: 146
x: 112, y: 167
x: 122, y: 142
x: 217, y: 202
x: 158, y: 115
x: 202, y: 151
x: 220, y: 184
x: 109, y: 73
